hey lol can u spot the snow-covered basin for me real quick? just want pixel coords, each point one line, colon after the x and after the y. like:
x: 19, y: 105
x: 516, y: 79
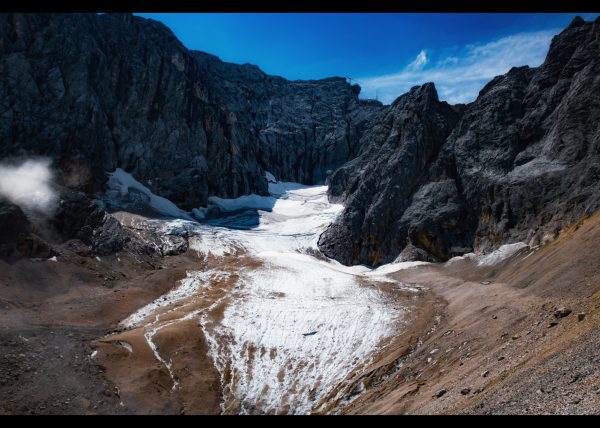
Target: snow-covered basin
x: 299, y: 324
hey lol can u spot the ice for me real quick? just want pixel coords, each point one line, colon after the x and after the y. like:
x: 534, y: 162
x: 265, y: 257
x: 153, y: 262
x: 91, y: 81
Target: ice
x: 199, y: 213
x: 292, y: 294
x: 243, y: 202
x: 270, y: 177
x: 298, y: 323
x: 120, y: 183
x: 502, y: 253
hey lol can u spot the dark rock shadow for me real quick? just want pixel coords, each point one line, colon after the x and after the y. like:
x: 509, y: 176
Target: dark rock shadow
x: 243, y: 219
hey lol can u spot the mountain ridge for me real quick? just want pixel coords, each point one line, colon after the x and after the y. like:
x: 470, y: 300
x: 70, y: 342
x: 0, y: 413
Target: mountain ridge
x: 127, y: 94
x: 520, y: 165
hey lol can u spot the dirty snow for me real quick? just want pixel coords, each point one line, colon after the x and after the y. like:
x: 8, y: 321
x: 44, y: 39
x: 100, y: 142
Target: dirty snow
x: 502, y: 253
x: 490, y: 259
x: 121, y: 184
x: 298, y: 324
x: 187, y: 287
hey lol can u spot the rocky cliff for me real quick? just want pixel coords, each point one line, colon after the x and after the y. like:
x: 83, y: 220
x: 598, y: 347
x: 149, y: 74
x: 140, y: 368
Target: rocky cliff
x: 100, y: 92
x: 302, y: 130
x: 521, y: 164
x: 377, y: 186
x: 420, y: 179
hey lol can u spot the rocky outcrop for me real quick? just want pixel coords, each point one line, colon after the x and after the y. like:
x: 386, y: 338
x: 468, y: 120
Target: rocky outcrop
x: 79, y: 225
x: 303, y: 130
x: 16, y: 235
x: 77, y: 218
x: 521, y: 164
x: 378, y: 185
x: 420, y: 179
x: 100, y: 92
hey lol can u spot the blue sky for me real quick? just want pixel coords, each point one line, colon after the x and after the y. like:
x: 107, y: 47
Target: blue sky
x: 386, y: 54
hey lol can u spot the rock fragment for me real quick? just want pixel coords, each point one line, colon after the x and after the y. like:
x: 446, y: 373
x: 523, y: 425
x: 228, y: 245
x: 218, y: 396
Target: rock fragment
x: 562, y: 312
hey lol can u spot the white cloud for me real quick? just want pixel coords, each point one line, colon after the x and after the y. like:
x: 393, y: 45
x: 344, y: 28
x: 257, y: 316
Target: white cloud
x: 420, y: 61
x: 29, y: 185
x: 460, y: 77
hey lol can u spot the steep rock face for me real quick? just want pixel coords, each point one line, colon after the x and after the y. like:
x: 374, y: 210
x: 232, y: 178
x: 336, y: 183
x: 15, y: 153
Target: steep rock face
x: 420, y: 178
x: 302, y: 130
x: 521, y: 164
x: 108, y: 91
x: 97, y: 92
x: 377, y: 185
x: 527, y: 151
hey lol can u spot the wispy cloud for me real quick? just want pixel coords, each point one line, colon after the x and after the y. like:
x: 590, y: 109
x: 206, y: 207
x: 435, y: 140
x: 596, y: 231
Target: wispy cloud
x: 420, y: 61
x: 459, y: 77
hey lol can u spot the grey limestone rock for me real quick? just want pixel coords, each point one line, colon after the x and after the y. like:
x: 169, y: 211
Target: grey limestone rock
x: 521, y: 164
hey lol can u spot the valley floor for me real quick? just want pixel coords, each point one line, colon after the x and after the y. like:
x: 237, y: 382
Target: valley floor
x: 113, y: 334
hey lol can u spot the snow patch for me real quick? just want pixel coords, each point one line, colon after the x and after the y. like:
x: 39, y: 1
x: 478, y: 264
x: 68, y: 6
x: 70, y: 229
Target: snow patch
x: 308, y: 319
x: 298, y: 322
x: 125, y: 345
x: 215, y: 245
x: 467, y: 256
x: 270, y: 177
x: 121, y: 184
x: 502, y: 253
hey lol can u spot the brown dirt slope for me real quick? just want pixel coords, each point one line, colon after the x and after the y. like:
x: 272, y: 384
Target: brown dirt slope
x: 50, y: 312
x: 497, y: 347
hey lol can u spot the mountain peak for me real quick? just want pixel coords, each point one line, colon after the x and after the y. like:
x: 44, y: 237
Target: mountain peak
x: 576, y: 22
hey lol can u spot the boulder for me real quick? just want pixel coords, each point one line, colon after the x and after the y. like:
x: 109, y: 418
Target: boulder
x: 562, y: 312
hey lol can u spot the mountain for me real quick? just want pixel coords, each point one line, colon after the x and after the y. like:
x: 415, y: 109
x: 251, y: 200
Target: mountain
x: 521, y: 164
x: 377, y: 186
x: 420, y: 179
x: 125, y: 93
x: 105, y: 276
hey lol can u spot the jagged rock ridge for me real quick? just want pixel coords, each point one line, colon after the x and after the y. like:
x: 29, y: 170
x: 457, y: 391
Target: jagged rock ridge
x: 521, y: 164
x: 97, y: 92
x: 420, y: 179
